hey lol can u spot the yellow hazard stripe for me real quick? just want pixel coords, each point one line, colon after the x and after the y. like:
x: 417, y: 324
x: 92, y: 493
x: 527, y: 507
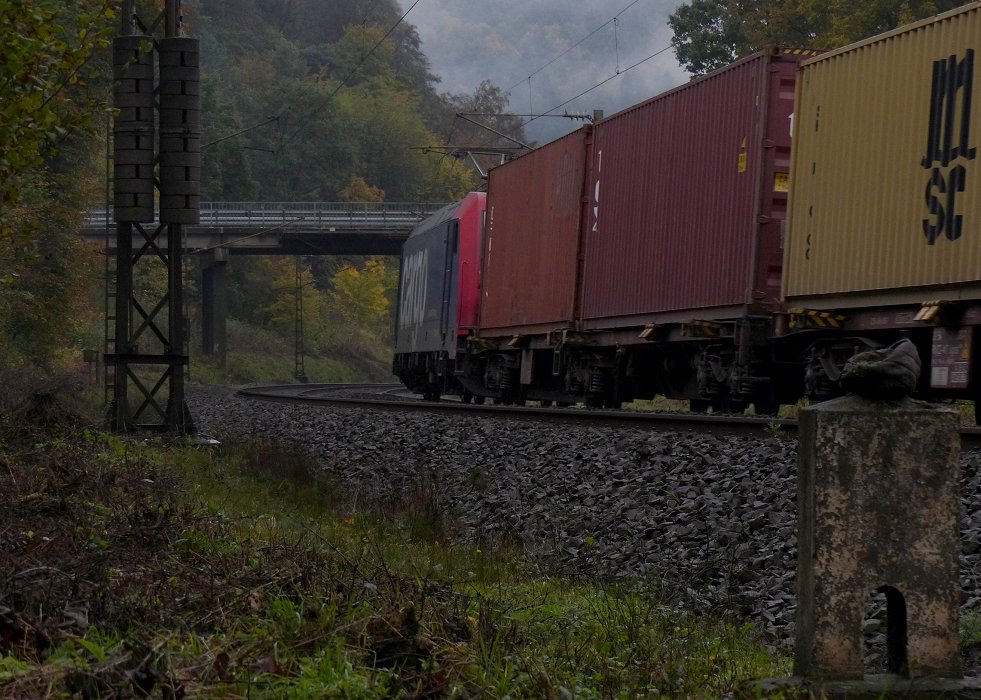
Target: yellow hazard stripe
x: 822, y: 319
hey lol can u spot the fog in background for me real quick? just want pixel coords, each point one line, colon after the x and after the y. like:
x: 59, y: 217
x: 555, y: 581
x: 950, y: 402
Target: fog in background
x: 505, y: 41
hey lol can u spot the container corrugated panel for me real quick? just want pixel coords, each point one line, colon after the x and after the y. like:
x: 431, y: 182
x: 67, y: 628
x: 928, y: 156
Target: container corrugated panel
x: 678, y: 188
x: 886, y: 186
x: 531, y: 244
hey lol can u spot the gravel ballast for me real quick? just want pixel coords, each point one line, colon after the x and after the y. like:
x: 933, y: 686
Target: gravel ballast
x: 709, y: 519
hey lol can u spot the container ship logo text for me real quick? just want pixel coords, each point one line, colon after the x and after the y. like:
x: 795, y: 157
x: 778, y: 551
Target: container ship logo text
x: 948, y: 145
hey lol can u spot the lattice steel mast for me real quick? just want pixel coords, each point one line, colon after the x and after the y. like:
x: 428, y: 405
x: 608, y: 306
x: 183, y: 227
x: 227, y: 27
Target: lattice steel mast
x: 156, y: 149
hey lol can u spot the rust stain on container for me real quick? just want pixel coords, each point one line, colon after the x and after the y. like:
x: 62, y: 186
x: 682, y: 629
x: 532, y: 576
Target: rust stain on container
x: 531, y: 246
x: 885, y: 181
x: 688, y: 194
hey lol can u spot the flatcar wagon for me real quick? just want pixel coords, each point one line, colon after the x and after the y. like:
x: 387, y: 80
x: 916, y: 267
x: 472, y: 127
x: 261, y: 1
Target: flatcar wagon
x: 648, y: 261
x: 531, y: 272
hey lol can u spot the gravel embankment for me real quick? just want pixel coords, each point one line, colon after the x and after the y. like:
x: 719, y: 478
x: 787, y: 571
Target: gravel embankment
x: 711, y: 517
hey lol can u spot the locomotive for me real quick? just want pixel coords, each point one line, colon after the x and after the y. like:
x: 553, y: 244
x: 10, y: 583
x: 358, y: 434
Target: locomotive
x: 732, y: 241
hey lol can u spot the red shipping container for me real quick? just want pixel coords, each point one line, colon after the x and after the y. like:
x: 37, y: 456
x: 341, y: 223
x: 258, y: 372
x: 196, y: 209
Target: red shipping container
x: 687, y: 194
x: 531, y: 247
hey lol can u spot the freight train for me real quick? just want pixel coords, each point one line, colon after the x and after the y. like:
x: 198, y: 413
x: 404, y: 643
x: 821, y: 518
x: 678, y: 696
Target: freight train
x: 732, y: 241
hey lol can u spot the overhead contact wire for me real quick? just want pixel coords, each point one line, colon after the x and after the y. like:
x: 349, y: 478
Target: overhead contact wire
x: 578, y: 43
x: 602, y: 82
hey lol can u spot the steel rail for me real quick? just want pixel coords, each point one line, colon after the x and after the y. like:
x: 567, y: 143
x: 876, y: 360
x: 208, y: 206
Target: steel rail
x: 753, y: 426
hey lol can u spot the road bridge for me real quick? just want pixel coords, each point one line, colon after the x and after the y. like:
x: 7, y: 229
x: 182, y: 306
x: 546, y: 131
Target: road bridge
x: 287, y: 228
x: 271, y: 228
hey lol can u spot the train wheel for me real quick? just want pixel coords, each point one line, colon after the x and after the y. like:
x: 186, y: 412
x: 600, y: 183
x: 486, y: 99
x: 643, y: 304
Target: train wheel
x: 545, y: 404
x: 467, y: 396
x: 479, y: 400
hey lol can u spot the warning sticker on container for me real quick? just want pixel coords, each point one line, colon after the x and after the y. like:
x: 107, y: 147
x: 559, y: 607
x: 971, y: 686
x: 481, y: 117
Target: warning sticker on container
x: 950, y: 358
x: 743, y: 156
x: 781, y: 182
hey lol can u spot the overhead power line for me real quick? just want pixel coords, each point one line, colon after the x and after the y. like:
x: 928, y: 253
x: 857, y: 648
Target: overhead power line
x: 602, y: 82
x: 240, y: 132
x: 578, y: 43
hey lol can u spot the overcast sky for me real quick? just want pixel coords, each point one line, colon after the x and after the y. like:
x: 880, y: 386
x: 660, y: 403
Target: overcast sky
x: 506, y: 41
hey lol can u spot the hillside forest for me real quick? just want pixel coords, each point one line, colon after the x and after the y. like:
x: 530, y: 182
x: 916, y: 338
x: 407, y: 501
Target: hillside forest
x: 302, y: 100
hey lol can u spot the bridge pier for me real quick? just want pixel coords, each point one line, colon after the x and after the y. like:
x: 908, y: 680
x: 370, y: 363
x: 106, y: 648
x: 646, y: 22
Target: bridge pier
x: 213, y: 304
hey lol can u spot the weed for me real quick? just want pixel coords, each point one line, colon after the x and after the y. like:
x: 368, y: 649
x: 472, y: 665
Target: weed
x: 774, y: 430
x: 970, y: 629
x: 246, y: 573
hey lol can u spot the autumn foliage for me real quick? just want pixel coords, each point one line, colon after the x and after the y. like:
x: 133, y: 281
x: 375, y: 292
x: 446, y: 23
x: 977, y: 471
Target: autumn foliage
x: 709, y: 34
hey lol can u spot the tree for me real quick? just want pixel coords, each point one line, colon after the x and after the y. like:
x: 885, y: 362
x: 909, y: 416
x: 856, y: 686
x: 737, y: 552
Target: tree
x: 279, y: 311
x: 362, y: 296
x: 226, y: 173
x: 709, y: 34
x: 43, y: 278
x: 47, y: 45
x: 358, y: 190
x: 490, y: 102
x: 486, y: 99
x: 51, y: 87
x: 363, y: 55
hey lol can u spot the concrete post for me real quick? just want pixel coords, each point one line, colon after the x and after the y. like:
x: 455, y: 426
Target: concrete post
x: 878, y: 505
x: 878, y: 499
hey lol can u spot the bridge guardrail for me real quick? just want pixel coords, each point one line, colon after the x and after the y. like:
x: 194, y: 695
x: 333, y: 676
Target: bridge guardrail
x: 300, y: 214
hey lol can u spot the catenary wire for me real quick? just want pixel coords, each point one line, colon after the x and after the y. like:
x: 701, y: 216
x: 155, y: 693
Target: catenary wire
x: 602, y: 82
x: 546, y: 65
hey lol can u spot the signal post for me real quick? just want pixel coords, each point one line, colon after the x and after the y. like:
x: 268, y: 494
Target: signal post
x: 156, y: 187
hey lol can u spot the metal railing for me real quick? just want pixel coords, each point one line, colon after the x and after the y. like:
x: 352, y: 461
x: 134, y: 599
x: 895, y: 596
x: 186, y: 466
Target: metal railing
x: 318, y: 215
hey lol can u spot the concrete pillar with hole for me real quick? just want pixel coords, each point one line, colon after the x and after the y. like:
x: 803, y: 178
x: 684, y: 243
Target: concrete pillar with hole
x: 878, y: 513
x: 878, y: 510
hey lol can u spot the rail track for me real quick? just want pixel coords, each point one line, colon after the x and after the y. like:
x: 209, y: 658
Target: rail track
x: 395, y: 397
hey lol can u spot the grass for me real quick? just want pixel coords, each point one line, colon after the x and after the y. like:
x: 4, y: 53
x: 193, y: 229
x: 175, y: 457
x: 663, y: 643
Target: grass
x: 162, y: 570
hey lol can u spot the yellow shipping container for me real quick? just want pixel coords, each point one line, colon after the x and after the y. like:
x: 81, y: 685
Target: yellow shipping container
x: 885, y: 203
